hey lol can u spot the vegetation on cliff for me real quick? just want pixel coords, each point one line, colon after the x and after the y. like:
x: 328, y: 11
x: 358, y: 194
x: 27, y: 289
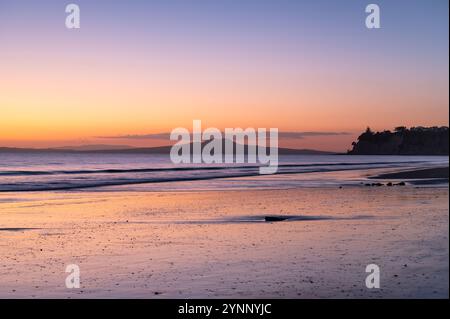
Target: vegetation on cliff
x: 403, y: 141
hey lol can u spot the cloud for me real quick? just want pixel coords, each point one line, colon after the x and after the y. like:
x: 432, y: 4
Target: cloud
x: 157, y: 136
x: 296, y: 135
x: 166, y: 136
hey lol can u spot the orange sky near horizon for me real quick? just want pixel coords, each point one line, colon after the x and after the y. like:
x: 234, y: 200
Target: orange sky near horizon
x: 72, y: 104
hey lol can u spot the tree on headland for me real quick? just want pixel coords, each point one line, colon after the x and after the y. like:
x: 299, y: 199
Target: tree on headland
x: 400, y: 129
x: 403, y: 141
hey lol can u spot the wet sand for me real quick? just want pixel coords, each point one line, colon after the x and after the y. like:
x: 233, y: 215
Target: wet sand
x: 437, y: 172
x: 217, y: 244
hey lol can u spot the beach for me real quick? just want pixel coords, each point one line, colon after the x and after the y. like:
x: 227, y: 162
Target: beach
x: 216, y: 243
x: 429, y: 173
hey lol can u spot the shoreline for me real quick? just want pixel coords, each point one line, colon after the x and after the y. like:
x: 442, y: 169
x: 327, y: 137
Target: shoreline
x: 427, y: 173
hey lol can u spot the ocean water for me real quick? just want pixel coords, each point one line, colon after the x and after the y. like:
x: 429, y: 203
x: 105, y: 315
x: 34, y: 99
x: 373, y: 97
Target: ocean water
x: 92, y: 171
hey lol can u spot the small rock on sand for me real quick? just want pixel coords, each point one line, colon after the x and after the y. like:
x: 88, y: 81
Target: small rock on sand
x: 274, y: 218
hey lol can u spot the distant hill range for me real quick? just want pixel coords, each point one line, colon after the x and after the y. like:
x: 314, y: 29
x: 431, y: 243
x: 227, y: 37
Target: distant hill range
x: 124, y: 149
x: 93, y: 147
x: 403, y: 141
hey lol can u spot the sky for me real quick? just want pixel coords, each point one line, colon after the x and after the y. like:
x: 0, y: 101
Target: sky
x: 138, y: 68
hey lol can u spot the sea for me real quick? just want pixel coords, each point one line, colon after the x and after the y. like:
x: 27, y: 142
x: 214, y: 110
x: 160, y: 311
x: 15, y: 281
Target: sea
x: 65, y: 171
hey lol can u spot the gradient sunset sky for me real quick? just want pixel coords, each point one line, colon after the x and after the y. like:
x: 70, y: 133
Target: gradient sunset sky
x: 146, y: 67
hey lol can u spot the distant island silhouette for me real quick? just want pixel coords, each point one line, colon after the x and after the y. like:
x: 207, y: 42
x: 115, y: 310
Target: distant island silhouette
x: 403, y: 141
x: 124, y: 149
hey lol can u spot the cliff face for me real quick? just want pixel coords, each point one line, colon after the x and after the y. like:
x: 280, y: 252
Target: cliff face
x: 403, y: 141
